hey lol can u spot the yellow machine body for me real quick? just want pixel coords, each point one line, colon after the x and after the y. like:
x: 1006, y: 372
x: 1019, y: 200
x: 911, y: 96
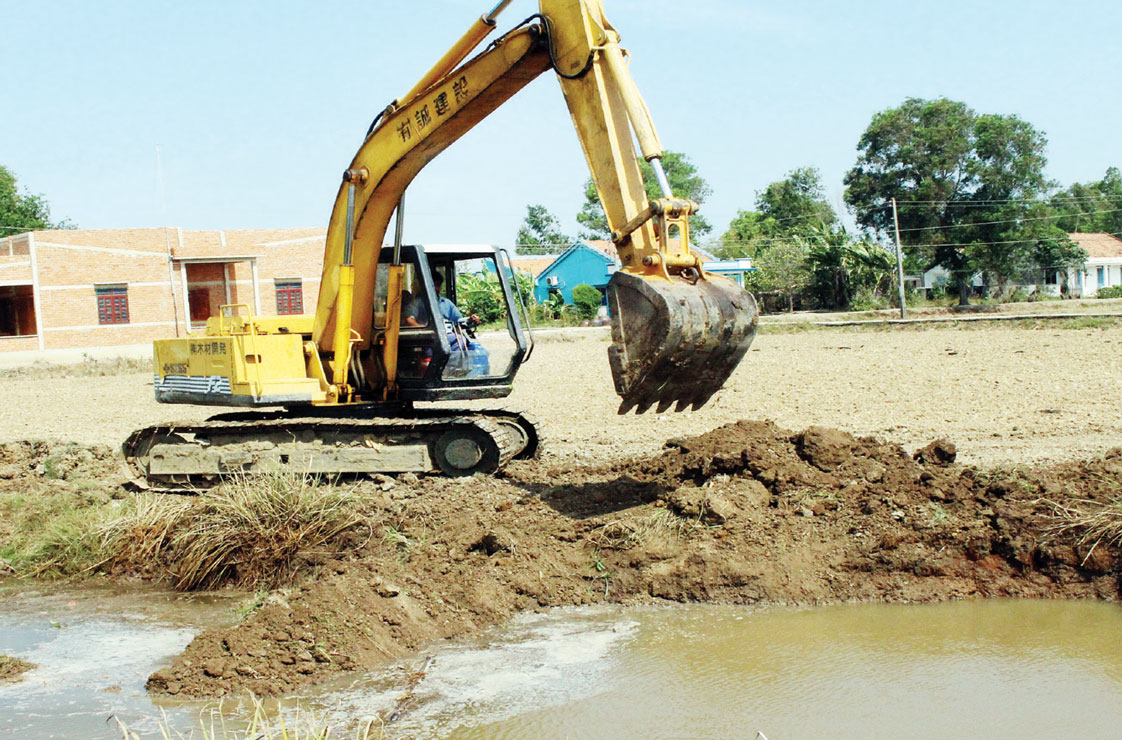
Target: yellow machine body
x: 240, y: 360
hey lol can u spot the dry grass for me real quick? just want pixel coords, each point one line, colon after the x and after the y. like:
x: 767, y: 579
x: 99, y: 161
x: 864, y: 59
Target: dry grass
x: 251, y: 530
x: 262, y: 724
x: 632, y: 531
x: 1094, y: 523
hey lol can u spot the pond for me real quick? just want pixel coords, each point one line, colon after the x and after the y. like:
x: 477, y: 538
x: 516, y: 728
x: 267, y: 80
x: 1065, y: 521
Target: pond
x: 992, y: 669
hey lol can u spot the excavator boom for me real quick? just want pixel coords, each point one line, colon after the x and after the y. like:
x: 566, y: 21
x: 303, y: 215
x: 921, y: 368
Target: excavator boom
x: 677, y: 331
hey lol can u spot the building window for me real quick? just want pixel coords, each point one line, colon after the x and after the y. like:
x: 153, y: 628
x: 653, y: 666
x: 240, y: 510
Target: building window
x: 112, y: 304
x: 290, y: 297
x: 17, y: 311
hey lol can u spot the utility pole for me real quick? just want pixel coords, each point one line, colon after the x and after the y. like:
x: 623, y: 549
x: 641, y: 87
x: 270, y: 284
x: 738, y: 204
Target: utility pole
x: 167, y: 242
x: 899, y: 262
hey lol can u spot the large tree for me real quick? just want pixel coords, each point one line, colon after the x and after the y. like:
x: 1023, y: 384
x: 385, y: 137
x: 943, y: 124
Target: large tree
x: 967, y: 185
x: 20, y: 212
x: 1091, y: 207
x: 793, y: 206
x: 684, y: 181
x: 540, y: 233
x: 784, y: 269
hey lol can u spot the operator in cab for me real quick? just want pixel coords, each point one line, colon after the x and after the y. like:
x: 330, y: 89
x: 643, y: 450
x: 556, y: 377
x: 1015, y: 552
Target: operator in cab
x: 469, y: 357
x: 416, y: 312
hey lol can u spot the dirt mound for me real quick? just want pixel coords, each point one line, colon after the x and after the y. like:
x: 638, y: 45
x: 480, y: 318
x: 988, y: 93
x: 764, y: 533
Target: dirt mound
x: 747, y: 513
x: 40, y: 461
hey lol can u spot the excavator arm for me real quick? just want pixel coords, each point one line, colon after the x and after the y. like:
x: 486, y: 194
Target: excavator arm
x: 677, y: 332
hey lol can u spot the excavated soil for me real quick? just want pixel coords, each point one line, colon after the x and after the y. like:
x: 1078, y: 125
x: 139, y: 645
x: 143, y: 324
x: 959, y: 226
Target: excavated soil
x: 746, y: 514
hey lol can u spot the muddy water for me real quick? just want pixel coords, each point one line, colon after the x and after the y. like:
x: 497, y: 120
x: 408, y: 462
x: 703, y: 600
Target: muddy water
x: 995, y: 669
x: 94, y: 649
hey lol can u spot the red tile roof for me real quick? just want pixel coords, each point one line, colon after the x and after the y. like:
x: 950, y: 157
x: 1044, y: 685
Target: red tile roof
x: 1099, y: 245
x: 532, y: 265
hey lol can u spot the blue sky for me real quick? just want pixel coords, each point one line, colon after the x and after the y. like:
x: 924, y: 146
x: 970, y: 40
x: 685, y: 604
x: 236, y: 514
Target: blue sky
x: 259, y: 106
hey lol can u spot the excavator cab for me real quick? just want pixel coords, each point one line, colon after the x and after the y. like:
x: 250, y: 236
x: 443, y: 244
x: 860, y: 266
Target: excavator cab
x: 463, y: 330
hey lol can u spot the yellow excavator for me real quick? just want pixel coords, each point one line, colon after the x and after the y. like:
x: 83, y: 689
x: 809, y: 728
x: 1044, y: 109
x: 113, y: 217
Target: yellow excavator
x: 336, y: 392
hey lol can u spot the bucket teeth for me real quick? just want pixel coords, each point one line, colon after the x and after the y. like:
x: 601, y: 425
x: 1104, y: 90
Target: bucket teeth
x: 676, y: 342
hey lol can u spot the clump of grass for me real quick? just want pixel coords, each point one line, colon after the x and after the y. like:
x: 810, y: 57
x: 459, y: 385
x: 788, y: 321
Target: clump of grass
x: 253, y: 527
x: 70, y: 543
x: 52, y: 532
x: 632, y: 531
x: 249, y: 531
x: 1094, y: 523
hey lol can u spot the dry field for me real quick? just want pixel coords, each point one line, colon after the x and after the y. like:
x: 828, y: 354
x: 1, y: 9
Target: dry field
x: 1003, y: 395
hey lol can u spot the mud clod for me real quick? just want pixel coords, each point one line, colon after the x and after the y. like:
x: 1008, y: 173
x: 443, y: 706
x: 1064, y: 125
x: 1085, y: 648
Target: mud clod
x: 939, y: 452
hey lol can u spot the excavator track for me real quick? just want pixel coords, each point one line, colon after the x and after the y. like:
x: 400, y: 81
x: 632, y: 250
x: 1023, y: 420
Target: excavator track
x: 192, y: 457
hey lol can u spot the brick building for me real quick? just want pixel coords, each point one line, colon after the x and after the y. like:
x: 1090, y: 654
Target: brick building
x: 64, y: 289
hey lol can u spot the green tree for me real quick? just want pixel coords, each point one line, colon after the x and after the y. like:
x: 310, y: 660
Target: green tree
x: 783, y: 268
x: 23, y: 212
x: 795, y: 205
x: 1091, y: 207
x: 540, y: 233
x: 684, y: 180
x: 797, y: 202
x: 587, y: 300
x: 965, y: 182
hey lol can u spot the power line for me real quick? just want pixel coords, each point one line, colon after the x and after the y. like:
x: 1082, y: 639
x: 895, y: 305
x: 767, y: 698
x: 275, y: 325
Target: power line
x: 991, y: 201
x: 1011, y: 220
x: 788, y: 241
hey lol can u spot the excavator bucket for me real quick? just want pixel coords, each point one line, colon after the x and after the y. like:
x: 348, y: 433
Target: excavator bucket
x: 676, y: 341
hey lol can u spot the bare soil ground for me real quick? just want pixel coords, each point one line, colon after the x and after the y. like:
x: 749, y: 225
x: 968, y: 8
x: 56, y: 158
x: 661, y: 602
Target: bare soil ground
x: 1004, y: 396
x: 871, y: 502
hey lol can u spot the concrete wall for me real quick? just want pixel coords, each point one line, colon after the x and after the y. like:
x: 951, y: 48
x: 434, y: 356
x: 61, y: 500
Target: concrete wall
x: 1086, y: 283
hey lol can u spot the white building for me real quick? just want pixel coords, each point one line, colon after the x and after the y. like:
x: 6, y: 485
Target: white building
x: 1103, y: 268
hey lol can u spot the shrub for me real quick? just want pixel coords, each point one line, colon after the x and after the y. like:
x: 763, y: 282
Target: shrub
x: 868, y: 300
x: 1114, y: 292
x: 587, y: 300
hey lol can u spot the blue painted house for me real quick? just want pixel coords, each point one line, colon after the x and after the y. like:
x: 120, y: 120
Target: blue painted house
x: 584, y: 262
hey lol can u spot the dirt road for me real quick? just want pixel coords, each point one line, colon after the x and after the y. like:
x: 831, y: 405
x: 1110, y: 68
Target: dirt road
x: 1004, y: 396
